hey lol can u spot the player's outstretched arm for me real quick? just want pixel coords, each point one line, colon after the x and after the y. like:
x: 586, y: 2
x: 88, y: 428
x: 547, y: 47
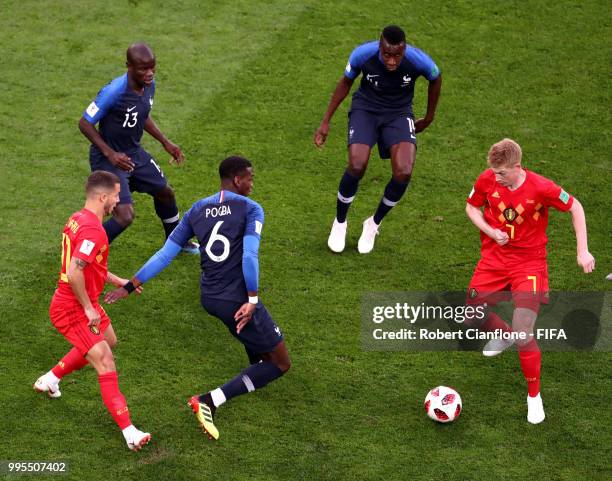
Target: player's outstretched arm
x: 433, y: 95
x: 156, y: 263
x: 584, y: 257
x: 174, y: 150
x: 342, y: 90
x: 119, y: 159
x: 117, y: 281
x: 477, y: 218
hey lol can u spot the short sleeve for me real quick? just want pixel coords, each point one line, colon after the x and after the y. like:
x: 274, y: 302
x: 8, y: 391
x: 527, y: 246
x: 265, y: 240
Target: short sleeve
x: 89, y: 242
x: 106, y: 98
x: 353, y: 66
x: 555, y: 196
x: 358, y: 57
x: 423, y: 63
x: 478, y: 195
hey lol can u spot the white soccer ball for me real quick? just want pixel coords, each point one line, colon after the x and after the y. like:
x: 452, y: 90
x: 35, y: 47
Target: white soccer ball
x: 443, y: 404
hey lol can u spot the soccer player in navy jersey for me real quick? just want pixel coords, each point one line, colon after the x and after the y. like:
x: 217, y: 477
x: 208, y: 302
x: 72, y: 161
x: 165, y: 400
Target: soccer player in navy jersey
x: 381, y: 113
x: 228, y: 226
x: 122, y: 110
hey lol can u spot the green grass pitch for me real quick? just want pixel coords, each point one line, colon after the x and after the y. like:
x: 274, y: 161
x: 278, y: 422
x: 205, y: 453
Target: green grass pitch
x: 254, y: 78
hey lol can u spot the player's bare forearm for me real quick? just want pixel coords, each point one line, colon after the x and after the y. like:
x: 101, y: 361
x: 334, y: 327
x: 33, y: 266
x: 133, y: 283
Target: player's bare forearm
x: 115, y: 280
x: 579, y: 223
x: 151, y: 127
x: 121, y: 292
x: 76, y: 279
x: 477, y: 218
x: 342, y: 89
x: 119, y: 159
x: 153, y: 130
x: 583, y: 256
x: 92, y: 134
x: 433, y: 95
x: 112, y: 279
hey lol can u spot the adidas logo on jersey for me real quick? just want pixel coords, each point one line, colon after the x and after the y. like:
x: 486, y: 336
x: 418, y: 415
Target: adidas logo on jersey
x: 217, y: 211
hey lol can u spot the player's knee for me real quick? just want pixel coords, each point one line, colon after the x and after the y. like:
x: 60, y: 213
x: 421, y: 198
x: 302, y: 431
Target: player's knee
x: 357, y: 168
x: 124, y: 214
x: 102, y: 360
x: 165, y: 195
x: 107, y: 362
x: 403, y: 175
x: 284, y: 364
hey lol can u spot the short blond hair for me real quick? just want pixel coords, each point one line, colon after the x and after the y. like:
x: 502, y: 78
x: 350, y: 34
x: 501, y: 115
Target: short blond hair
x: 506, y: 152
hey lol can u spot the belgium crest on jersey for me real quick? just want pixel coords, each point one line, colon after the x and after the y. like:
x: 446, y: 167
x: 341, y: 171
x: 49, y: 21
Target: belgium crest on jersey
x: 509, y: 214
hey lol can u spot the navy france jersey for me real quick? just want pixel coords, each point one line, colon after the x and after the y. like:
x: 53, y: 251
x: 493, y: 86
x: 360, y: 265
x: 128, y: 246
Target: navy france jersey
x: 223, y: 224
x: 382, y: 91
x: 121, y: 113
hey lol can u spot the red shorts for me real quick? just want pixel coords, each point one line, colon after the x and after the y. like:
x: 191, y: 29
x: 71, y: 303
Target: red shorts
x: 524, y: 283
x: 70, y: 320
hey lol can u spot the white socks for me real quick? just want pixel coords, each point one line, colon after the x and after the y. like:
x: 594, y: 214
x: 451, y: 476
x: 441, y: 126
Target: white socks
x: 128, y: 432
x: 52, y: 378
x: 218, y: 397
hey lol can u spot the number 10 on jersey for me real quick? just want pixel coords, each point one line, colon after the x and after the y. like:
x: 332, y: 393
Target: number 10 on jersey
x: 65, y: 257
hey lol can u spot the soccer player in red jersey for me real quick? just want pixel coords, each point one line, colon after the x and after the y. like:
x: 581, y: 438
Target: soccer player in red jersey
x: 509, y: 205
x: 75, y: 311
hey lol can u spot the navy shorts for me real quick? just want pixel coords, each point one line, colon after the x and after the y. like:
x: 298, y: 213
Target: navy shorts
x: 260, y: 335
x: 382, y: 129
x: 146, y: 177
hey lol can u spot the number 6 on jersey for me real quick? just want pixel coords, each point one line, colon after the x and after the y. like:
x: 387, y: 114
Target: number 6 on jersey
x: 216, y: 237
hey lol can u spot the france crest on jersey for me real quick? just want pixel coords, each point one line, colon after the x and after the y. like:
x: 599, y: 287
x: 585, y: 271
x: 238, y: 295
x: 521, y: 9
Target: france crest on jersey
x: 228, y: 227
x: 121, y: 113
x: 382, y: 91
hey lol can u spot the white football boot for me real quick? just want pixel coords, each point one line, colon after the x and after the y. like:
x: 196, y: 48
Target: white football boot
x: 496, y: 346
x: 337, y: 236
x: 368, y: 236
x: 135, y: 438
x: 45, y: 384
x: 535, y: 409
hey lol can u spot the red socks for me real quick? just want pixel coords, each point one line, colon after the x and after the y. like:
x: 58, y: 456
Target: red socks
x: 529, y: 354
x: 109, y: 386
x: 531, y: 362
x: 73, y: 361
x: 113, y: 399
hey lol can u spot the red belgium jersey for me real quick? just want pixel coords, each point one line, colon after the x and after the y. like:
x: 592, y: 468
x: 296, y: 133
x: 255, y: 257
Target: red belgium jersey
x: 85, y: 238
x: 522, y: 213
